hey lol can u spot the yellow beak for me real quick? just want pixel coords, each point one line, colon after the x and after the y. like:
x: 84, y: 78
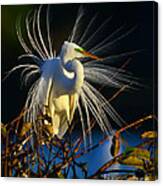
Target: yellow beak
x: 87, y: 54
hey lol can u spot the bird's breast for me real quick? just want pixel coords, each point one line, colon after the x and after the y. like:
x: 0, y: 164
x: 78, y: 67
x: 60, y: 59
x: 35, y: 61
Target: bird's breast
x: 61, y: 103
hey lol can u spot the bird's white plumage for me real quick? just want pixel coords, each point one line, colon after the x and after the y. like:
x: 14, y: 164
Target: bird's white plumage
x: 60, y: 82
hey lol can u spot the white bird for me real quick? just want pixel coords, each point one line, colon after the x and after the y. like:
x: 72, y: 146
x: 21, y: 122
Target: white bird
x: 65, y: 83
x: 62, y: 79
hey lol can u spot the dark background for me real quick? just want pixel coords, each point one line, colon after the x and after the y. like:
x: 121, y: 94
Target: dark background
x: 130, y: 105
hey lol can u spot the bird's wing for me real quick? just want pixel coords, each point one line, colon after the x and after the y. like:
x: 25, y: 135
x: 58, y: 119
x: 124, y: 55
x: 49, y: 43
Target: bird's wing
x: 73, y: 102
x: 66, y: 119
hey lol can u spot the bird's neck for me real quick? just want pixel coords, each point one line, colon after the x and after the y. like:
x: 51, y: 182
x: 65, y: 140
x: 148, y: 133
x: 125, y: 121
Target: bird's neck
x: 75, y: 67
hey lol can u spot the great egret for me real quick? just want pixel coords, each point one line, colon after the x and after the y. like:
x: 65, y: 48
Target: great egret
x: 65, y: 83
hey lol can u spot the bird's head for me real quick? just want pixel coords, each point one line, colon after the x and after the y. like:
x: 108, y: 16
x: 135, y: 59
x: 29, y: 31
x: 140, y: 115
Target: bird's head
x: 72, y: 51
